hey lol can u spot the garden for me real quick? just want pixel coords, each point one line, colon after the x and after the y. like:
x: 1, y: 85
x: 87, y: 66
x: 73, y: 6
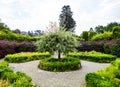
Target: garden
x: 93, y: 56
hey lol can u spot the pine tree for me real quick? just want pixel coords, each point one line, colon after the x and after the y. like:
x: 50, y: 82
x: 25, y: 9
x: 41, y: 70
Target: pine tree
x: 66, y: 19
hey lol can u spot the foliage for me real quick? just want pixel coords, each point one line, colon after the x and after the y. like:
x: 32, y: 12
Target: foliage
x: 109, y: 27
x: 65, y: 64
x: 115, y: 49
x: 108, y: 77
x: 26, y: 56
x: 13, y: 79
x: 116, y: 32
x: 99, y: 29
x: 66, y: 19
x: 9, y: 35
x: 25, y: 47
x: 10, y: 47
x: 3, y: 26
x: 90, y: 45
x: 91, y: 34
x: 93, y: 56
x: 59, y: 41
x: 85, y: 35
x: 103, y: 36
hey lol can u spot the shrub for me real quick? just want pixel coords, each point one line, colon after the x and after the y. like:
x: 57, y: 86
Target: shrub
x: 93, y: 56
x: 13, y: 79
x: 65, y: 64
x: 102, y: 36
x: 26, y: 56
x: 9, y: 35
x: 25, y: 47
x: 85, y: 35
x: 91, y: 34
x: 108, y: 77
x: 7, y: 47
x: 90, y: 45
x: 10, y: 47
x: 115, y: 49
x: 116, y: 32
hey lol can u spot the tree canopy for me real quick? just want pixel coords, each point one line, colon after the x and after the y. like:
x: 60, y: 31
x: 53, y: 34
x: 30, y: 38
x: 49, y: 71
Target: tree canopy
x: 66, y: 19
x: 59, y: 41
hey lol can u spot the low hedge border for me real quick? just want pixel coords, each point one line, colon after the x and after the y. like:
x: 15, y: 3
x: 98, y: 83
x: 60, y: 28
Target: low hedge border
x: 93, y: 56
x: 26, y: 56
x: 9, y: 78
x: 108, y: 77
x: 64, y: 64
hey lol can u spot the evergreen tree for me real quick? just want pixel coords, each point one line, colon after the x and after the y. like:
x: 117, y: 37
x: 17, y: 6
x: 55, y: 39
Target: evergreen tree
x: 66, y: 19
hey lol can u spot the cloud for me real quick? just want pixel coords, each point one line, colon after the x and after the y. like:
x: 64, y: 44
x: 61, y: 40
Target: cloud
x: 36, y: 14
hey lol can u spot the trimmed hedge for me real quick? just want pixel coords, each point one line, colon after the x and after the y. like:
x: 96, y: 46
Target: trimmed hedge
x: 93, y: 56
x: 90, y: 45
x: 108, y: 77
x: 13, y: 79
x: 26, y: 56
x: 65, y: 64
x: 10, y: 47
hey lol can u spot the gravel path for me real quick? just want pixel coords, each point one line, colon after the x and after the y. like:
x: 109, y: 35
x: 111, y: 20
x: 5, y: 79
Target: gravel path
x: 43, y: 78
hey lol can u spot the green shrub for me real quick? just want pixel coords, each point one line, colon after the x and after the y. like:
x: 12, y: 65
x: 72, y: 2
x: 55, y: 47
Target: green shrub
x: 13, y: 79
x: 102, y: 36
x: 9, y: 35
x: 116, y: 32
x: 93, y: 56
x: 108, y: 77
x: 26, y: 56
x: 115, y: 50
x: 65, y: 64
x: 85, y: 35
x: 91, y: 34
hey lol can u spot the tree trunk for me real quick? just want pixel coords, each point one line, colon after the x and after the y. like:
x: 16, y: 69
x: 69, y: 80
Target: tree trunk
x: 59, y: 55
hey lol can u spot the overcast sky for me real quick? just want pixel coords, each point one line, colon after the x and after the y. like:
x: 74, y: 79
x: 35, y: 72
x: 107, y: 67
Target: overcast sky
x: 36, y: 14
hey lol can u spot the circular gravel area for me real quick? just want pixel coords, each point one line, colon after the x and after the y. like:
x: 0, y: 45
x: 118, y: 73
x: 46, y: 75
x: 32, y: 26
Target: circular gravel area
x: 43, y: 78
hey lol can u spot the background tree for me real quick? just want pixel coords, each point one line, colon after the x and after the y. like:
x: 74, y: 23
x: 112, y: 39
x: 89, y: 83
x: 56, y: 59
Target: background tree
x: 59, y: 41
x: 85, y: 35
x: 110, y: 26
x: 99, y: 29
x: 17, y: 31
x: 66, y: 19
x: 3, y: 26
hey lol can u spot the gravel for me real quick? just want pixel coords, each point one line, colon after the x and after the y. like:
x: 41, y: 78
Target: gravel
x: 43, y: 78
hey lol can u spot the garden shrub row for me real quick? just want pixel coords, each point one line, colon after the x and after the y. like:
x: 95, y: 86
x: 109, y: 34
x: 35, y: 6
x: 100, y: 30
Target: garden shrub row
x: 93, y: 56
x: 9, y: 35
x: 102, y: 36
x: 90, y: 45
x: 105, y: 46
x: 26, y: 56
x: 64, y: 64
x: 107, y: 77
x: 10, y: 47
x: 9, y: 78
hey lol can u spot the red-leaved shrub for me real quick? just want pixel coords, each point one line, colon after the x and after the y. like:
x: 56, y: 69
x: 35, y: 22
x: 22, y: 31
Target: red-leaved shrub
x: 10, y: 47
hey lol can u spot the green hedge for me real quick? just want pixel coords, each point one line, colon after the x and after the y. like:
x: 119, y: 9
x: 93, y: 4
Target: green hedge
x: 64, y: 64
x: 102, y: 36
x: 13, y: 79
x: 93, y: 56
x: 108, y: 77
x: 9, y: 35
x: 26, y: 56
